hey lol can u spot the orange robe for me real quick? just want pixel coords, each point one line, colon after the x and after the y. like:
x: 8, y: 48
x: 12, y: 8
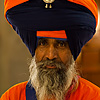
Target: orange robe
x: 85, y: 91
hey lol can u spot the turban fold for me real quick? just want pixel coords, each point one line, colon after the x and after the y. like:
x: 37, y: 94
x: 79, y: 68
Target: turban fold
x: 76, y: 18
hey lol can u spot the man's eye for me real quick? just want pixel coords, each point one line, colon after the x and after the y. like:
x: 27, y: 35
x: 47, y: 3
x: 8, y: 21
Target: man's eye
x: 42, y: 43
x: 62, y: 44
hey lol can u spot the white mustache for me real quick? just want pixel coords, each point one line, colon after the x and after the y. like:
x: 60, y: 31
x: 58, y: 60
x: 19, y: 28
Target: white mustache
x: 43, y: 64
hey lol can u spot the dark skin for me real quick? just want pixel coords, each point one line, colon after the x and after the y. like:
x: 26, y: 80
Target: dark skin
x: 52, y: 49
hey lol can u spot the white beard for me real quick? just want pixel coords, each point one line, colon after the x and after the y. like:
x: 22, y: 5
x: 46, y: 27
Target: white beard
x: 48, y: 83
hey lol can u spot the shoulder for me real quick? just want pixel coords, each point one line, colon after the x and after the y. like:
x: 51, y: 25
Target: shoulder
x: 83, y: 83
x: 86, y: 91
x: 15, y: 91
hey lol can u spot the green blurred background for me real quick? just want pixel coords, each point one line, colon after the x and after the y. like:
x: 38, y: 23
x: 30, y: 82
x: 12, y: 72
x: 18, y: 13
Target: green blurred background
x: 15, y: 57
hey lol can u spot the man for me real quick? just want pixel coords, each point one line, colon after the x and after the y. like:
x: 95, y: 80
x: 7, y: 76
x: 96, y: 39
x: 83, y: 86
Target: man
x: 54, y: 32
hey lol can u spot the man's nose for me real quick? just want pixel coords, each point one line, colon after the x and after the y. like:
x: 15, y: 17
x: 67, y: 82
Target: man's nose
x: 51, y: 53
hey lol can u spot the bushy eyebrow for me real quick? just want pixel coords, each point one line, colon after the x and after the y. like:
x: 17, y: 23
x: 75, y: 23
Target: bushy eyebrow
x: 42, y: 40
x: 62, y: 41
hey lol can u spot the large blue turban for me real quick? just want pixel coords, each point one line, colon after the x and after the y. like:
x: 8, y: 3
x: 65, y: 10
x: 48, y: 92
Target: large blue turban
x: 78, y: 18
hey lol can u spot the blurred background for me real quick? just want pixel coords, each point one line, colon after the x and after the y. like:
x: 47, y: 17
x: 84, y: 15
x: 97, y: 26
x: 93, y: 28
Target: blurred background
x: 15, y: 57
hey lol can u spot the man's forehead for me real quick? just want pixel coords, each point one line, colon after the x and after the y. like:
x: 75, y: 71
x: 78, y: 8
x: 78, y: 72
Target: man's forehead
x: 52, y: 39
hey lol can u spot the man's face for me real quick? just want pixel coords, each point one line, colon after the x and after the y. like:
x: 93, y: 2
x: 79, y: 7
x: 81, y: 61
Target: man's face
x: 52, y: 69
x: 52, y: 49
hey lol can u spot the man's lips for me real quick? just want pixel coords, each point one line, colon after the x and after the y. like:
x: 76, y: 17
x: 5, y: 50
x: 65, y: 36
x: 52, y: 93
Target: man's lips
x: 48, y: 66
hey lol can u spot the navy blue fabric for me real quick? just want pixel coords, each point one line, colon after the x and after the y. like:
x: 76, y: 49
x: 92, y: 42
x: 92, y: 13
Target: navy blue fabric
x: 78, y: 38
x: 31, y: 16
x: 30, y: 92
x: 29, y: 38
